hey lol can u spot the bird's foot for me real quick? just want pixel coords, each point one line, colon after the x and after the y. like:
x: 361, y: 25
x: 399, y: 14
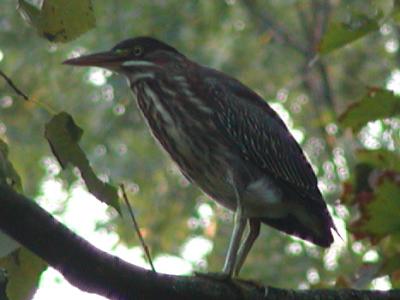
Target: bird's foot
x: 219, y: 276
x: 250, y: 282
x: 226, y: 278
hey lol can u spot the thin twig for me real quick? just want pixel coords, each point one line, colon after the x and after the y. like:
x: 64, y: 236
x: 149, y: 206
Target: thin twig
x: 145, y: 248
x: 280, y: 32
x: 13, y: 86
x: 46, y: 106
x: 304, y: 21
x: 322, y: 12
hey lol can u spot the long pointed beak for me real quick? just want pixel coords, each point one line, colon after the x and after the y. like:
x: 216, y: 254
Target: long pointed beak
x: 107, y: 59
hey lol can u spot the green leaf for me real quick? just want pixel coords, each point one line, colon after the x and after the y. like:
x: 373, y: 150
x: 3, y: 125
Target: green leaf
x: 63, y: 136
x: 378, y: 103
x: 381, y: 159
x: 59, y: 20
x: 340, y: 34
x: 379, y: 214
x: 24, y: 269
x: 8, y: 175
x: 3, y: 284
x: 396, y: 11
x: 7, y: 245
x: 391, y: 266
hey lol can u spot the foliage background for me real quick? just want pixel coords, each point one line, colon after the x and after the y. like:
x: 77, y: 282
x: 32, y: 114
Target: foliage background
x: 272, y: 46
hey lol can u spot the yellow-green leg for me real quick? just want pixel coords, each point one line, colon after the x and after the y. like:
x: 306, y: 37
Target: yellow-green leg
x: 254, y: 231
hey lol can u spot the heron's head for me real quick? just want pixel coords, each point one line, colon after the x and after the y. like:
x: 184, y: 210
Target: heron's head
x: 131, y: 57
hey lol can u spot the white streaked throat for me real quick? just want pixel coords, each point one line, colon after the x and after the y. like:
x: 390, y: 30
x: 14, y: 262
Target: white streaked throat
x: 138, y: 63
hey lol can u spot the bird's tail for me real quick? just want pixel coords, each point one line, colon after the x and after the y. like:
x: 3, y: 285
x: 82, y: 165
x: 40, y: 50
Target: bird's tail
x: 314, y: 224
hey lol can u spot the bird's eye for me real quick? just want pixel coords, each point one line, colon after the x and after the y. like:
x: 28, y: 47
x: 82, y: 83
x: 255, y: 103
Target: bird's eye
x: 137, y: 50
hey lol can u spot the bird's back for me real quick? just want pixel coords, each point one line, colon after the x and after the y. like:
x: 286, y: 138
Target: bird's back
x: 212, y: 125
x: 265, y: 145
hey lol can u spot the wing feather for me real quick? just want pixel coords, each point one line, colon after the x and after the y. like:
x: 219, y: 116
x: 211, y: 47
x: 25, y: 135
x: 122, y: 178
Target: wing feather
x: 254, y: 129
x: 252, y: 126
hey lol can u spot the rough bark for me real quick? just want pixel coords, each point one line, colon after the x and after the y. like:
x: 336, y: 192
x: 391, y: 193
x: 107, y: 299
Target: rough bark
x: 95, y: 271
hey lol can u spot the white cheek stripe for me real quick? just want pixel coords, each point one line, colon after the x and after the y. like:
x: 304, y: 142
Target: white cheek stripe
x: 137, y: 63
x: 135, y: 77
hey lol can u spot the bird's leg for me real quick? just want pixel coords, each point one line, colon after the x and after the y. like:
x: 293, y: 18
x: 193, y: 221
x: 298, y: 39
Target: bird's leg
x: 237, y: 233
x: 254, y: 231
x: 234, y: 243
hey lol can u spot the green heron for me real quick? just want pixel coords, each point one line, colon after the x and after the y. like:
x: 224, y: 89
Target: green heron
x: 226, y: 139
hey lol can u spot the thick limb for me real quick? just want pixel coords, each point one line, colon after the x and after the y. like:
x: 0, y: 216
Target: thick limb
x: 254, y: 231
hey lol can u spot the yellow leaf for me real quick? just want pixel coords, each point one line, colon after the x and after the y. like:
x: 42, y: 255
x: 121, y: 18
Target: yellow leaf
x: 24, y: 269
x: 59, y: 20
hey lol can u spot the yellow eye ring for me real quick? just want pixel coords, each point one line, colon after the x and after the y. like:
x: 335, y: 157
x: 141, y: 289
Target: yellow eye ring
x: 137, y: 50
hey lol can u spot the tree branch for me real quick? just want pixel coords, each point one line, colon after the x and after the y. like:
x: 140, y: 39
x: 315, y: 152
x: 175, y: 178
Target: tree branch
x: 93, y: 270
x: 280, y: 33
x: 13, y: 86
x: 321, y: 10
x: 305, y: 23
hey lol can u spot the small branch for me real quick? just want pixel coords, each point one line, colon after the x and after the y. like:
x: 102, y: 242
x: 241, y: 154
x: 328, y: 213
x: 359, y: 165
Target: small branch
x: 326, y: 87
x: 280, y: 33
x: 13, y: 86
x: 397, y: 33
x: 304, y: 21
x: 24, y: 96
x: 95, y: 271
x: 321, y: 14
x: 321, y: 18
x: 315, y: 74
x: 136, y: 225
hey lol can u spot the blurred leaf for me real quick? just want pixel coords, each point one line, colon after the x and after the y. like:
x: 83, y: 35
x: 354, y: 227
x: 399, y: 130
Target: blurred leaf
x: 59, y: 20
x: 391, y: 266
x: 357, y: 187
x: 379, y: 213
x: 340, y: 34
x: 362, y: 174
x: 396, y: 10
x: 395, y: 279
x: 3, y: 284
x: 381, y: 159
x: 347, y: 195
x: 342, y: 283
x: 63, y: 136
x: 8, y: 175
x: 365, y: 274
x: 376, y: 104
x: 7, y: 245
x: 24, y: 269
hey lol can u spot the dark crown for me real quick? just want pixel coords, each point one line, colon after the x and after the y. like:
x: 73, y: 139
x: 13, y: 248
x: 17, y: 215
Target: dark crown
x: 147, y: 43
